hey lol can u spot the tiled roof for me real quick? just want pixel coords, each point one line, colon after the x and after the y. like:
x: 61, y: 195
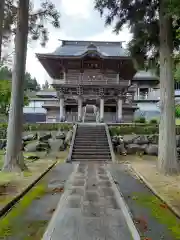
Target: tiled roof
x: 78, y: 48
x: 145, y: 75
x: 44, y: 93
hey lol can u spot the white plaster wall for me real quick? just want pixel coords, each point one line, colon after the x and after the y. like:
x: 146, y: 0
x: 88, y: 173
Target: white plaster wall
x: 150, y: 106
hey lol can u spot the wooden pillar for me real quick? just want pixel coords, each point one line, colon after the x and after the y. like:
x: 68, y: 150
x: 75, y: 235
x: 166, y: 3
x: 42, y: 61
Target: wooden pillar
x: 102, y: 109
x: 80, y: 103
x: 119, y: 109
x: 61, y: 103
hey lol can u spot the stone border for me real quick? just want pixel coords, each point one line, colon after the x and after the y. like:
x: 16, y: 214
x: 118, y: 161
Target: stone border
x: 68, y: 160
x: 153, y: 190
x: 125, y: 209
x: 50, y: 228
x: 110, y: 144
x: 15, y: 200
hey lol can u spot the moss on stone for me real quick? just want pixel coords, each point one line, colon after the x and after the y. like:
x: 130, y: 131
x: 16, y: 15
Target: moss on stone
x: 160, y: 211
x: 36, y: 229
x: 12, y: 222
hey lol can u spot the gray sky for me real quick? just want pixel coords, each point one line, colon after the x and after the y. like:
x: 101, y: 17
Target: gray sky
x: 79, y: 21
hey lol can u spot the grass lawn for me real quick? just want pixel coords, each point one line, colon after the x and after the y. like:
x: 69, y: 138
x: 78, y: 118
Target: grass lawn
x: 1, y: 158
x: 12, y: 184
x: 26, y: 154
x: 166, y: 186
x: 177, y: 121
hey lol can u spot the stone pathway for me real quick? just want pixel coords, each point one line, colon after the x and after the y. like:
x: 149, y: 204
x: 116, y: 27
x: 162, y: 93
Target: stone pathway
x: 90, y: 208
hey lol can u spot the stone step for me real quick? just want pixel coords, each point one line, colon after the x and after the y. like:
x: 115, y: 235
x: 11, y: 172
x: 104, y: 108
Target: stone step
x: 91, y: 156
x: 85, y: 144
x: 91, y: 148
x: 90, y: 134
x: 90, y: 159
x: 96, y: 154
x: 91, y: 139
x: 92, y: 128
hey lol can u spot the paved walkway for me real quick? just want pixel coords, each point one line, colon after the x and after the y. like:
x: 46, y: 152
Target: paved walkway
x: 91, y: 208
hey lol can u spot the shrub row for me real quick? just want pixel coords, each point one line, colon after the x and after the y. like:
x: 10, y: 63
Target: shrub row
x: 136, y: 129
x: 37, y: 127
x: 143, y: 120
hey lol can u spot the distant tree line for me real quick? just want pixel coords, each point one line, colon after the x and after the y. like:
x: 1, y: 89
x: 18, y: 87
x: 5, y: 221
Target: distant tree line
x: 30, y: 83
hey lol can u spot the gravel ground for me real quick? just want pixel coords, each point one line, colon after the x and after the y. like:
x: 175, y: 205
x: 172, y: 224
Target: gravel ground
x: 129, y: 185
x: 30, y: 224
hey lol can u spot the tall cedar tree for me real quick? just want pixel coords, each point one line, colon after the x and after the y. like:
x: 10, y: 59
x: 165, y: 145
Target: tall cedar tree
x: 38, y: 19
x: 2, y: 2
x: 34, y: 23
x: 154, y: 38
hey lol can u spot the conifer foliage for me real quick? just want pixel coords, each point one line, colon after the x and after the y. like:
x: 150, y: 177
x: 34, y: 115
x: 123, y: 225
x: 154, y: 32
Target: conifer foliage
x: 154, y: 26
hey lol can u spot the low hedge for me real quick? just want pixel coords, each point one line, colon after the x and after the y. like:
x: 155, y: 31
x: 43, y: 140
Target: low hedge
x: 145, y: 129
x: 37, y: 127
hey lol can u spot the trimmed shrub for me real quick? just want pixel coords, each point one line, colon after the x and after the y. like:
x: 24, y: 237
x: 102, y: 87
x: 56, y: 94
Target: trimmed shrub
x: 133, y: 129
x: 145, y: 129
x: 140, y: 120
x: 153, y: 121
x: 177, y: 111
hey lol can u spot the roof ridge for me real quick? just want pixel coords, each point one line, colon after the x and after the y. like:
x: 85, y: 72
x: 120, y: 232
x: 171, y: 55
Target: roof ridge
x: 79, y: 42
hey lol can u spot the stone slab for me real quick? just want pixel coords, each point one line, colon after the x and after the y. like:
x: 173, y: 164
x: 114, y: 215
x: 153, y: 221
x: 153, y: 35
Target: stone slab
x: 89, y: 213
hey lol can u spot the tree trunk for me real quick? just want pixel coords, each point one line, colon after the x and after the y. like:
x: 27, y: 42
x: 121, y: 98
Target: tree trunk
x: 2, y: 3
x: 167, y: 160
x: 14, y: 160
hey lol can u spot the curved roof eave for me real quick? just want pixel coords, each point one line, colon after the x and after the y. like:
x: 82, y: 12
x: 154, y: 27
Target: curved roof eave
x: 145, y: 75
x: 41, y: 56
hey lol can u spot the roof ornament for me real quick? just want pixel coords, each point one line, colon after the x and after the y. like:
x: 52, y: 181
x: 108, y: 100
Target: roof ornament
x: 91, y: 46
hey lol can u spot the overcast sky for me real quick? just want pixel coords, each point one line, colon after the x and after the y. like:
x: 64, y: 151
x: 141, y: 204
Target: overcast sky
x: 79, y: 21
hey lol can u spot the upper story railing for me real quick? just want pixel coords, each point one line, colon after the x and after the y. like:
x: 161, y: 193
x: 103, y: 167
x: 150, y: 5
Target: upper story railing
x: 151, y: 95
x: 91, y: 77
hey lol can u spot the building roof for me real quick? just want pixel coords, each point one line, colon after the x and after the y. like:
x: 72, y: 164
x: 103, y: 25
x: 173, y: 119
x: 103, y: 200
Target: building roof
x: 145, y: 75
x: 80, y: 48
x: 47, y: 93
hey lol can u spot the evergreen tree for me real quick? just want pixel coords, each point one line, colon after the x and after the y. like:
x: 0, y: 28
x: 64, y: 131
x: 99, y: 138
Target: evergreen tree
x: 2, y: 3
x: 29, y: 83
x: 33, y: 23
x: 38, y: 19
x: 154, y: 30
x: 45, y: 85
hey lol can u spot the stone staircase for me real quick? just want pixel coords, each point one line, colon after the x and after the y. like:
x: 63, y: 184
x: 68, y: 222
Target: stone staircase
x: 91, y: 144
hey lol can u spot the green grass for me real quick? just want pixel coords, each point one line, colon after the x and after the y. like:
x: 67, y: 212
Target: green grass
x: 12, y: 223
x: 177, y: 121
x: 1, y: 158
x: 26, y: 154
x: 160, y: 212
